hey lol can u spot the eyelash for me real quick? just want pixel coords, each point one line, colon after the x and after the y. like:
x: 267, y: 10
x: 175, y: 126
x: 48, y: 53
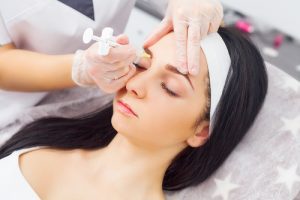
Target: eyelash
x: 170, y: 92
x: 162, y: 84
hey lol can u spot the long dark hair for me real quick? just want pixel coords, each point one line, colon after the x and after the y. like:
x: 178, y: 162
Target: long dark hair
x: 242, y: 98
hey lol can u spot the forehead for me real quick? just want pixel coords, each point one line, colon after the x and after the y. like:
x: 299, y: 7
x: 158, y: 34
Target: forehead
x: 164, y: 52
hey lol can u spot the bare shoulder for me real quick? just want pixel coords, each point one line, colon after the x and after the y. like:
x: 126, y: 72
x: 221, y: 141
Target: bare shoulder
x: 49, y: 155
x: 42, y: 168
x: 49, y: 160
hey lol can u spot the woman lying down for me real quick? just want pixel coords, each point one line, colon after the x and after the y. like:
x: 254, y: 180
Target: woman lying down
x: 163, y: 130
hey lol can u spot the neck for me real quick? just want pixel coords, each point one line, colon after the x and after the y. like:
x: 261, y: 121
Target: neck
x: 135, y: 172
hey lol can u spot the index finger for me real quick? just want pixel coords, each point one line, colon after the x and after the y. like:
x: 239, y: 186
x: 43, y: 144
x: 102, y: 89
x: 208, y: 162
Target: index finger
x: 194, y: 49
x: 180, y: 31
x: 164, y: 28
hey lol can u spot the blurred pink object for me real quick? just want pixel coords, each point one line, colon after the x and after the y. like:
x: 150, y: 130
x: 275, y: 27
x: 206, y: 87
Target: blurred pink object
x: 278, y: 41
x: 244, y: 26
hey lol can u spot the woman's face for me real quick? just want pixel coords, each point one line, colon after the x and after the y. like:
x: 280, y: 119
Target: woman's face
x: 166, y: 103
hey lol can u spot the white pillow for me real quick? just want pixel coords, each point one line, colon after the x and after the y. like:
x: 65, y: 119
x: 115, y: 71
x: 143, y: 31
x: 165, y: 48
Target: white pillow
x: 266, y: 164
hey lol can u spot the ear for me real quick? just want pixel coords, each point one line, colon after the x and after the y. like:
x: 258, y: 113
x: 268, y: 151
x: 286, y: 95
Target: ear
x: 200, y: 135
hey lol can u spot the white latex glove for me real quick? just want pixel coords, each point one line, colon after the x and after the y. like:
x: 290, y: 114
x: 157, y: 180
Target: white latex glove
x: 111, y: 72
x: 191, y: 21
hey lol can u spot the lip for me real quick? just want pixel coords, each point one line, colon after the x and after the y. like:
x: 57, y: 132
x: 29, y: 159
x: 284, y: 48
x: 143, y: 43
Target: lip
x: 125, y: 108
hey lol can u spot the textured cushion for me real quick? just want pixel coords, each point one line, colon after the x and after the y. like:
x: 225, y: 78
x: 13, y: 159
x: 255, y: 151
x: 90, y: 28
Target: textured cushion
x: 266, y: 163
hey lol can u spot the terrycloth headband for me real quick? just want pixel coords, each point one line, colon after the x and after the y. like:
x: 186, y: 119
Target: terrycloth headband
x: 218, y: 62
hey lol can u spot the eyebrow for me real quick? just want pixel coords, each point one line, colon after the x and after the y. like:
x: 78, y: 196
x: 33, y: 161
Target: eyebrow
x: 174, y: 69
x: 171, y: 68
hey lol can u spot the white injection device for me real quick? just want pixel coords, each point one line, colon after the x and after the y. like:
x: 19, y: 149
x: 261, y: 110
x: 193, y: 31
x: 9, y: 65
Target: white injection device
x: 106, y: 42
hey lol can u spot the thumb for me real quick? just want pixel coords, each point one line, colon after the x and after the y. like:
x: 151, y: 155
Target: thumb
x: 164, y: 28
x: 122, y: 39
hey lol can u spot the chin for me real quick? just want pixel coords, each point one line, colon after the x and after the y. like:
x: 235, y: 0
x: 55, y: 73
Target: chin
x: 125, y: 126
x: 121, y: 123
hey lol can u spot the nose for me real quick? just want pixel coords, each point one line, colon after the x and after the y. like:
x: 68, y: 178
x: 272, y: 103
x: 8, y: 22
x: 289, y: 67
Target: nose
x: 136, y: 86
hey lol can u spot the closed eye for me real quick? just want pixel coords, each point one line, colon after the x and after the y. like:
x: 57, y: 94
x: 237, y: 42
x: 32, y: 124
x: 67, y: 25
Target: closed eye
x: 170, y: 92
x: 163, y: 85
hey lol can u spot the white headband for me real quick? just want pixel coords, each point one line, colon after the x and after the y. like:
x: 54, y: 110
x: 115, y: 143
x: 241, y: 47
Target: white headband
x: 218, y: 62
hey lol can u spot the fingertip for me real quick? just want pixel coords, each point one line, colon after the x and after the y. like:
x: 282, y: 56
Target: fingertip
x: 194, y: 63
x: 182, y: 62
x: 182, y: 69
x: 194, y: 70
x: 122, y: 35
x: 122, y: 39
x: 146, y: 44
x: 133, y: 68
x: 150, y: 41
x: 203, y: 35
x: 193, y: 66
x: 163, y: 29
x: 204, y: 30
x: 210, y: 29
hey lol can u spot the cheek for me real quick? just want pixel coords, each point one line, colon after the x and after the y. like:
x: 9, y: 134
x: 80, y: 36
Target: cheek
x: 167, y: 122
x: 162, y: 122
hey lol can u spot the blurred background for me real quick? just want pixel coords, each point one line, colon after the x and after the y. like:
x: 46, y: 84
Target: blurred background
x: 274, y: 26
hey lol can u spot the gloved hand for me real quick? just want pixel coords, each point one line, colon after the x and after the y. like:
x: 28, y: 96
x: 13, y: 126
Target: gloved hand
x: 111, y: 72
x: 191, y: 21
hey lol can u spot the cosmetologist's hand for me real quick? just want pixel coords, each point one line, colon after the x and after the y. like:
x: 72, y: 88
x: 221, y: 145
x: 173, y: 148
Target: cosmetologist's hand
x: 191, y: 21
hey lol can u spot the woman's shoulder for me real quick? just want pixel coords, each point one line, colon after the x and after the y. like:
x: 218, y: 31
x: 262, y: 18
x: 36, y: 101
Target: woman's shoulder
x: 32, y: 171
x: 12, y: 179
x: 41, y: 159
x: 47, y: 164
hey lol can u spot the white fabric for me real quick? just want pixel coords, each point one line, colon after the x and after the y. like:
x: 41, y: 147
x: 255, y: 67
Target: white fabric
x: 4, y: 37
x: 14, y: 103
x: 51, y: 27
x: 13, y: 185
x: 218, y: 62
